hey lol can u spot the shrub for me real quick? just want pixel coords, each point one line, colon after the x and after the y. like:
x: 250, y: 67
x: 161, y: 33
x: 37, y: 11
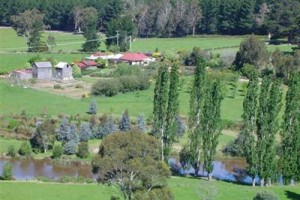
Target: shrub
x: 57, y: 151
x: 83, y: 150
x: 25, y: 149
x: 11, y: 151
x: 264, y: 195
x: 57, y: 86
x: 128, y: 83
x: 106, y: 87
x: 70, y: 147
x: 124, y: 69
x: 247, y: 70
x: 78, y: 85
x: 7, y: 172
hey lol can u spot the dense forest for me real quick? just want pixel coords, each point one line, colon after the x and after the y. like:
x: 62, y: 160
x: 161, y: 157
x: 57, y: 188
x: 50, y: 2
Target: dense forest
x: 169, y: 18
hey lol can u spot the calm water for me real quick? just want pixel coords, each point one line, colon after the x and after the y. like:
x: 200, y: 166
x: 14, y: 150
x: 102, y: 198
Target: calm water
x: 29, y: 169
x: 23, y: 169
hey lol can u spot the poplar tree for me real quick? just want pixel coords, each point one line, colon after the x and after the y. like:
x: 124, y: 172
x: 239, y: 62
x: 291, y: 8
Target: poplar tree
x: 290, y: 134
x: 196, y: 108
x: 160, y: 104
x: 247, y: 133
x: 267, y: 127
x: 166, y: 105
x: 172, y: 109
x: 210, y: 125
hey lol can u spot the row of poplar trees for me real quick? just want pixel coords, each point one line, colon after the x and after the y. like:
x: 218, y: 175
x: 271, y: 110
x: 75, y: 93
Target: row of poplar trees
x: 262, y: 130
x: 204, y: 117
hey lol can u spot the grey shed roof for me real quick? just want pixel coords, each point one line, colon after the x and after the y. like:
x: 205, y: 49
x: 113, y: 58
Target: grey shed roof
x: 43, y: 64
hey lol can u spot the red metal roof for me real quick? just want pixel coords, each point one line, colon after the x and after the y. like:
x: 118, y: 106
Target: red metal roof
x: 134, y: 57
x: 87, y: 63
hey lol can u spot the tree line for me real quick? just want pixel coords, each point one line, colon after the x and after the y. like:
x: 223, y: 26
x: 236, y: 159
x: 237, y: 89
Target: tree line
x: 167, y: 18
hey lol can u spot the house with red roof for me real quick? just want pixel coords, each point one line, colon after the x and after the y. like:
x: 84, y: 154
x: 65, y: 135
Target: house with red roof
x: 87, y: 64
x: 136, y: 58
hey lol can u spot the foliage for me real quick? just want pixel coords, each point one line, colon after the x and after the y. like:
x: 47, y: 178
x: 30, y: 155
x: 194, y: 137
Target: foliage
x: 70, y: 147
x: 11, y: 151
x: 64, y: 130
x: 57, y: 151
x: 25, y: 149
x: 106, y: 127
x: 44, y: 136
x: 83, y: 150
x: 130, y: 163
x: 290, y: 134
x: 85, y: 132
x: 251, y: 51
x: 93, y: 108
x: 248, y: 70
x: 7, y: 173
x: 124, y: 124
x: 264, y: 195
x: 108, y: 87
x: 141, y: 123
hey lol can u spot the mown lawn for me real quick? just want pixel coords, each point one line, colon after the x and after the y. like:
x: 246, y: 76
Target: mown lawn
x: 182, y: 188
x: 5, y: 143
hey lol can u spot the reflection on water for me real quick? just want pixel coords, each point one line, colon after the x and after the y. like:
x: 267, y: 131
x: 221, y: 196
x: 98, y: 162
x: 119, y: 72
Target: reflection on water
x: 24, y: 169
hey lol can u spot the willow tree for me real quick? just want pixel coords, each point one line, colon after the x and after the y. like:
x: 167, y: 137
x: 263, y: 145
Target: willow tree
x: 291, y: 131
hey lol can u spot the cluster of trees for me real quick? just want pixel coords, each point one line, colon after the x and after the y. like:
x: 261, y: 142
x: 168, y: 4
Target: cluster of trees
x: 164, y: 18
x: 267, y: 157
x: 253, y: 57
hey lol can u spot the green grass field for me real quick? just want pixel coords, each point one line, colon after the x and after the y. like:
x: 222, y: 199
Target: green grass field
x: 182, y: 188
x: 10, y: 43
x: 5, y: 143
x: 36, y: 102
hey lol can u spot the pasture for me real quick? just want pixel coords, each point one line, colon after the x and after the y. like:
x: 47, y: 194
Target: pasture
x: 36, y: 102
x: 182, y: 188
x: 13, y: 49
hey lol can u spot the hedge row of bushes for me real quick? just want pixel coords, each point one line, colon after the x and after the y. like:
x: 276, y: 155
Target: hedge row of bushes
x: 112, y: 86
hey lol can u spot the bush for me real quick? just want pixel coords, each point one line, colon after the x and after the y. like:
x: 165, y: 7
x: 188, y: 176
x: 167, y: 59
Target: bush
x: 11, y: 151
x: 106, y: 87
x: 124, y: 69
x: 128, y: 83
x: 57, y: 151
x: 57, y: 86
x: 70, y: 147
x: 78, y: 85
x: 83, y: 150
x: 7, y: 172
x: 25, y: 149
x: 264, y: 195
x: 247, y: 70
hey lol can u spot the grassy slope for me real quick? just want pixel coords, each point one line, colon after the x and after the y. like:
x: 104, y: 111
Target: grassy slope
x: 183, y: 189
x: 34, y: 102
x: 5, y: 143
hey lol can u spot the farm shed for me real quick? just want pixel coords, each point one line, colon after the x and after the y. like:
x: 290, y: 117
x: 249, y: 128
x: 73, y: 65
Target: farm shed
x: 23, y: 74
x: 63, y: 71
x: 42, y: 70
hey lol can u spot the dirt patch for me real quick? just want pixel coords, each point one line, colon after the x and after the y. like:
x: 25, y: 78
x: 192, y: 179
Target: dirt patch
x: 72, y: 88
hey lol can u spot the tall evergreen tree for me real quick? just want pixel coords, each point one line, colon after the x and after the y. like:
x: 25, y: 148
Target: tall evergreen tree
x: 245, y: 16
x: 125, y: 124
x: 210, y: 125
x: 290, y: 134
x: 141, y: 124
x: 85, y: 132
x: 63, y: 130
x: 93, y: 108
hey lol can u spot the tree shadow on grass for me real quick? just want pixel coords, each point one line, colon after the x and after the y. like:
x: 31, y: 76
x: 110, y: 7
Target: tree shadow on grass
x: 292, y: 195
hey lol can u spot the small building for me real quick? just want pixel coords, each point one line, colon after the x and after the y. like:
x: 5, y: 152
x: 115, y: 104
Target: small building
x: 42, y: 70
x: 136, y: 58
x: 87, y: 64
x: 24, y: 74
x: 63, y: 71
